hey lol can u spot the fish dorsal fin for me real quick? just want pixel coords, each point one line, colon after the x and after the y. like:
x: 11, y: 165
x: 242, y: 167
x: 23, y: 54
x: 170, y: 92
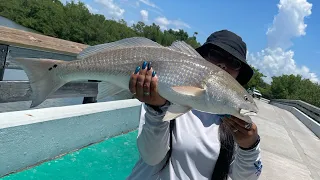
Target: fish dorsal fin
x: 124, y: 43
x: 182, y: 46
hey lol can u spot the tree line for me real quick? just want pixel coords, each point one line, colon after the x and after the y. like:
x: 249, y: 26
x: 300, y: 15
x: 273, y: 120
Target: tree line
x: 74, y: 22
x: 287, y: 87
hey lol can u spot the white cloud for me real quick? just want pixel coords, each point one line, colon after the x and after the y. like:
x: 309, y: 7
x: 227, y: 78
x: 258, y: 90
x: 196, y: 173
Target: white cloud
x: 148, y: 3
x: 132, y: 4
x: 155, y: 11
x: 91, y: 9
x: 163, y: 22
x: 276, y: 60
x: 288, y: 23
x: 180, y: 24
x: 144, y: 15
x: 112, y: 9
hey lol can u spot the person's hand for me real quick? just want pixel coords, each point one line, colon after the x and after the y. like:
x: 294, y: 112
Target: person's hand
x: 245, y: 134
x: 144, y: 85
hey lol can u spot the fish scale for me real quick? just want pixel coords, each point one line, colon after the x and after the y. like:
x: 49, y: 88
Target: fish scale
x: 118, y: 62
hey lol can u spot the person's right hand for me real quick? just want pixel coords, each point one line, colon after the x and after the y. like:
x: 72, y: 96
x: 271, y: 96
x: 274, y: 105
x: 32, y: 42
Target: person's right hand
x: 144, y: 85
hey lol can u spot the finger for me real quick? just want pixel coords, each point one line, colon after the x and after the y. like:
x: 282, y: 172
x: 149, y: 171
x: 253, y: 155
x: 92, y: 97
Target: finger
x: 239, y: 121
x: 146, y: 85
x: 231, y: 126
x: 247, y: 126
x: 140, y: 81
x: 235, y: 126
x: 139, y: 89
x: 154, y: 85
x: 144, y: 68
x: 133, y: 81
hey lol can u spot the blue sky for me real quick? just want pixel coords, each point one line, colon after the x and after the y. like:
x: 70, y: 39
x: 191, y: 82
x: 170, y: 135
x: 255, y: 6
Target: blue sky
x: 292, y: 50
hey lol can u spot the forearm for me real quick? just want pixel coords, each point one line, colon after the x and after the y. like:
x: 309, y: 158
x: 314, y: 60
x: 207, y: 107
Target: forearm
x: 247, y: 164
x: 153, y: 137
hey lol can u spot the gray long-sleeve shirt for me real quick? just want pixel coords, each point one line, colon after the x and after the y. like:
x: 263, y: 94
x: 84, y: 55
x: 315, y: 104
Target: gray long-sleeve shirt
x: 196, y: 147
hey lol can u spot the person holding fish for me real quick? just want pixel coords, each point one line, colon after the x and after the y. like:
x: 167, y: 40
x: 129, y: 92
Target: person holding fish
x: 196, y: 144
x: 195, y: 117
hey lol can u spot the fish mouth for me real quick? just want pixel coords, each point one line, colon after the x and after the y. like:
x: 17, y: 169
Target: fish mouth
x: 245, y: 112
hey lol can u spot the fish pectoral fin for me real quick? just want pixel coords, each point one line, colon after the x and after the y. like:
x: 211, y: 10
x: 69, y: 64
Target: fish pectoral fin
x: 175, y: 111
x: 189, y: 90
x: 106, y: 89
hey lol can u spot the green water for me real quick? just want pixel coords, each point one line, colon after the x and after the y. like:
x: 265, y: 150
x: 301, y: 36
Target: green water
x: 112, y: 159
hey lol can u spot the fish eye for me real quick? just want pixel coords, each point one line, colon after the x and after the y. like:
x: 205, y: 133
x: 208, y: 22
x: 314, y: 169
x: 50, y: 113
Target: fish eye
x: 246, y: 98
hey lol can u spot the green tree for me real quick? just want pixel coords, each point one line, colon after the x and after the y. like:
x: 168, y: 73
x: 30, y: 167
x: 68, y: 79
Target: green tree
x: 294, y: 87
x: 257, y: 82
x: 139, y: 28
x: 256, y: 79
x: 74, y: 22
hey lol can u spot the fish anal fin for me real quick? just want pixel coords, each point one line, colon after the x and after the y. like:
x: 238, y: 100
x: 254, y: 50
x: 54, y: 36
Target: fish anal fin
x: 175, y: 111
x: 107, y: 89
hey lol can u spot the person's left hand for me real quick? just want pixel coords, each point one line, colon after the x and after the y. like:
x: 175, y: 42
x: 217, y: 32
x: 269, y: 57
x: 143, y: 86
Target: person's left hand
x: 244, y: 137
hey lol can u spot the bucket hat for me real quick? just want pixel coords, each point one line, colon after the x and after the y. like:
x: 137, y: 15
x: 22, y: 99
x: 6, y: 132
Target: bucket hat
x: 234, y: 45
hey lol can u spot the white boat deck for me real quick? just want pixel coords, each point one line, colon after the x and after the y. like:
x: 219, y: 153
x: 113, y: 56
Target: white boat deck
x: 289, y: 149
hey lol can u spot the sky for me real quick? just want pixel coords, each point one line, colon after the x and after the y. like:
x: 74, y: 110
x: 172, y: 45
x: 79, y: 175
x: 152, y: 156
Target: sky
x: 281, y: 35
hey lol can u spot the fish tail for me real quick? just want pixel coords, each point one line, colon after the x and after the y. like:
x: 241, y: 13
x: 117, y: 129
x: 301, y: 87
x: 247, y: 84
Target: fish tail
x: 42, y: 77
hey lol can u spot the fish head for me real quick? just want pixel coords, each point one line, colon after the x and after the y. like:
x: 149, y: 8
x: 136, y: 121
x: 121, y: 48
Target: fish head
x: 226, y: 96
